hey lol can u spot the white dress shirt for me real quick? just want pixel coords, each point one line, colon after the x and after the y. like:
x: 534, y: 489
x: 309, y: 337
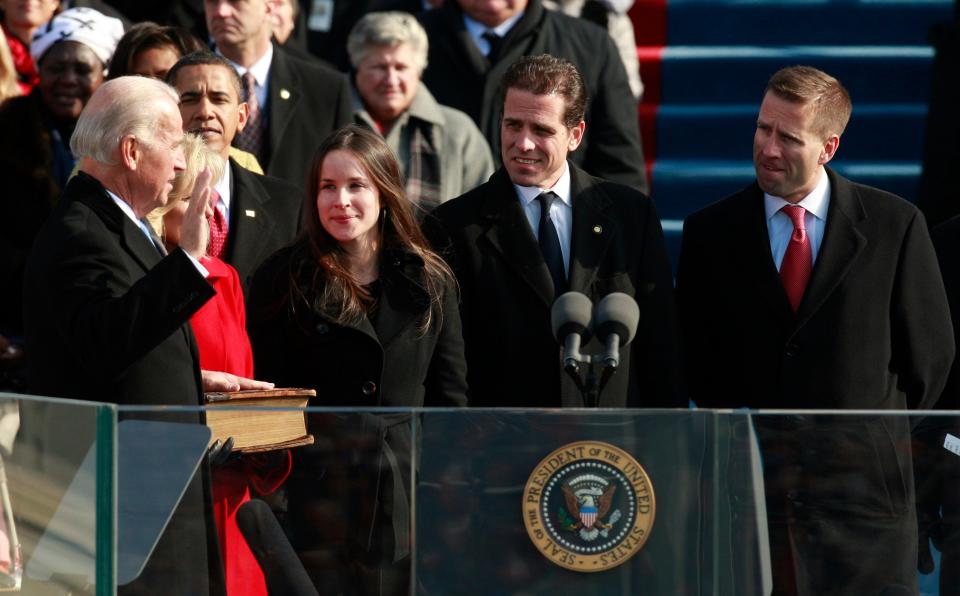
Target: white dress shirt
x: 780, y: 226
x: 561, y: 212
x: 223, y: 189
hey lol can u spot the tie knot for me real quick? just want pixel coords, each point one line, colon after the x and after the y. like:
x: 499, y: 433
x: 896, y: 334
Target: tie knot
x: 546, y: 199
x: 795, y: 213
x: 249, y: 84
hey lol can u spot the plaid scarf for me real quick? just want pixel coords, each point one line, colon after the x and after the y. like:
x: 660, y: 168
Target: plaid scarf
x: 423, y: 171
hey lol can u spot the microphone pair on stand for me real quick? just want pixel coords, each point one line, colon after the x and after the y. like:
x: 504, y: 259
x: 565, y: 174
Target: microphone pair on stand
x: 575, y: 321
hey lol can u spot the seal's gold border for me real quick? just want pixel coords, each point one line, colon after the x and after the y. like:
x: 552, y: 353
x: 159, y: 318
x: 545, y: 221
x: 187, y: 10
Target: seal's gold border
x: 587, y: 451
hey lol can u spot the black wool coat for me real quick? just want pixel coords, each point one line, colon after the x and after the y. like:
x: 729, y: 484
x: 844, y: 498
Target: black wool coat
x: 617, y: 243
x: 872, y: 332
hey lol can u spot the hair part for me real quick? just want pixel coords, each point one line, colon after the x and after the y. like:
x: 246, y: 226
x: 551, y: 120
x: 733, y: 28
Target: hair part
x: 321, y: 278
x: 379, y: 29
x: 119, y: 108
x: 148, y: 36
x: 206, y: 58
x: 827, y: 97
x: 548, y: 75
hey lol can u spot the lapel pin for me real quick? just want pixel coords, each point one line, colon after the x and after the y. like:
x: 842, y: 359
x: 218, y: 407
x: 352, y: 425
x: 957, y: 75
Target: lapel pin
x: 597, y: 229
x: 250, y: 213
x: 284, y: 94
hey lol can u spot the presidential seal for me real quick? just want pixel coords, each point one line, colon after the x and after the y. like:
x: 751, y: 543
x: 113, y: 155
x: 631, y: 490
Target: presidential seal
x: 588, y: 506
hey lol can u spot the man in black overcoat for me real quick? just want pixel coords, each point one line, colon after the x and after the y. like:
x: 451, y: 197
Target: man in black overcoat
x: 609, y: 240
x: 294, y: 103
x: 261, y: 213
x: 464, y: 69
x: 808, y: 291
x: 106, y: 310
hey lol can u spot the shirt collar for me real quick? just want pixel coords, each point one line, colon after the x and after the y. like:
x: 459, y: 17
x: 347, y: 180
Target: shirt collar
x: 259, y: 69
x: 816, y: 202
x: 476, y: 29
x: 528, y: 194
x: 125, y: 207
x: 223, y: 186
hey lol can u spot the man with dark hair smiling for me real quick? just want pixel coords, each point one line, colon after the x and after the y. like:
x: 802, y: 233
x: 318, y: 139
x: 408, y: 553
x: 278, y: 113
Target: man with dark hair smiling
x: 541, y: 227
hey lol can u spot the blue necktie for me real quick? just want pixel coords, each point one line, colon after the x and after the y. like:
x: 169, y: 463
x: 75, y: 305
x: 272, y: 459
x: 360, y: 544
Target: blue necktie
x: 550, y: 244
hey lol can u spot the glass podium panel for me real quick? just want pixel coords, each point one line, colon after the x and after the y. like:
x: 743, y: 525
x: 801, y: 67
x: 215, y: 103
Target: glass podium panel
x: 486, y: 502
x: 57, y: 496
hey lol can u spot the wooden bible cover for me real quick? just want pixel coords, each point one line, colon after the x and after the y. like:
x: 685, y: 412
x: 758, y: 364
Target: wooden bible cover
x: 258, y: 426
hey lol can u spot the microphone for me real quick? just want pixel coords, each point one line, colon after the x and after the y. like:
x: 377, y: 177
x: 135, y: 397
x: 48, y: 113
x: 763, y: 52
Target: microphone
x: 282, y: 569
x: 615, y: 323
x: 570, y: 319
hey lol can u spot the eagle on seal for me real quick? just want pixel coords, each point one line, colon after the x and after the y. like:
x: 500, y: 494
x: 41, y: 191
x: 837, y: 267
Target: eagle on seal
x: 589, y: 509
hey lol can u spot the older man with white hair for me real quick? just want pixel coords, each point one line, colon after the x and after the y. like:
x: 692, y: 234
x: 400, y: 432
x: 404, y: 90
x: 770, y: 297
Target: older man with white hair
x: 441, y: 150
x: 107, y: 308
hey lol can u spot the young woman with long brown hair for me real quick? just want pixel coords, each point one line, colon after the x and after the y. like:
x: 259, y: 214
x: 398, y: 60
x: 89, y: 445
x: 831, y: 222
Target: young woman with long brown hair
x: 362, y: 310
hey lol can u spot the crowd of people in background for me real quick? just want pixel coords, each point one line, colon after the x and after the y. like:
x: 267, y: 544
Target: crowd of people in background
x: 382, y: 200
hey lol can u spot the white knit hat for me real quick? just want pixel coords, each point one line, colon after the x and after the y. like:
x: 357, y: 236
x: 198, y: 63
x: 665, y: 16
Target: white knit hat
x: 93, y: 29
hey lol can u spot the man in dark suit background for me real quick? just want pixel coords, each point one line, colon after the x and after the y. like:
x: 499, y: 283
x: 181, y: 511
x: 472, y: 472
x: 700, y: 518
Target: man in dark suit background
x: 597, y: 237
x: 106, y: 310
x: 807, y: 290
x: 466, y: 63
x: 294, y: 103
x: 257, y: 214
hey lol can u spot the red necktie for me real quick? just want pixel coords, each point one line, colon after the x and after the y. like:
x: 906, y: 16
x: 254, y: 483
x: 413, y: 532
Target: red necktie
x: 218, y: 231
x: 798, y: 260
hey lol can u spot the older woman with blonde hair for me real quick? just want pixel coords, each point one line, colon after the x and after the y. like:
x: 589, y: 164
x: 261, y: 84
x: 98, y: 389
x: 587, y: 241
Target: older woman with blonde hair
x: 441, y: 151
x: 220, y: 330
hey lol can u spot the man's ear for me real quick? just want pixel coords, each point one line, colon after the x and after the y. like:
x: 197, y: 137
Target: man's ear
x: 830, y: 147
x: 243, y: 114
x: 576, y: 136
x: 130, y: 152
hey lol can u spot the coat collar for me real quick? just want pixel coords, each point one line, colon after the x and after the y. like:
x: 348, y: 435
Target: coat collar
x: 842, y: 244
x: 423, y: 107
x: 89, y: 191
x: 509, y: 232
x: 250, y: 220
x: 285, y: 85
x: 403, y: 298
x: 453, y: 17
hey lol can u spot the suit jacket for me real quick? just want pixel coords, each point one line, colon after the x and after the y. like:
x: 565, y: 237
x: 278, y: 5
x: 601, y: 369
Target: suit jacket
x: 106, y: 320
x: 507, y: 293
x: 307, y: 102
x: 459, y: 76
x: 264, y: 217
x: 872, y: 332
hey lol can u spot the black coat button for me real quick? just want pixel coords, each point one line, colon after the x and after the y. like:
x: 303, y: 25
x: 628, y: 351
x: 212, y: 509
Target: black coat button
x: 368, y: 388
x: 792, y: 349
x: 322, y: 328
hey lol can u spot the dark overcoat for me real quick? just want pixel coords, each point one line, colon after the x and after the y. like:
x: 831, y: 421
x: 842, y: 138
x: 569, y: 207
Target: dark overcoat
x: 513, y: 359
x: 107, y: 320
x: 264, y: 217
x: 872, y: 333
